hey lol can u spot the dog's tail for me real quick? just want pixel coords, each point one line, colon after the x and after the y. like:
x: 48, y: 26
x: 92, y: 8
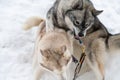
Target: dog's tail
x: 32, y: 22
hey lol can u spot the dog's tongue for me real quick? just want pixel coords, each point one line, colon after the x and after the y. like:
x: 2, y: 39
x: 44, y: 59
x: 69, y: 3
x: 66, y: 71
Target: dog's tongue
x: 77, y: 37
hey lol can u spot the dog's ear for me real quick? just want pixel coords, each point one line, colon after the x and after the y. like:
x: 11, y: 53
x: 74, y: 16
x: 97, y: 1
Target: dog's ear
x: 45, y: 53
x: 42, y: 52
x: 96, y: 12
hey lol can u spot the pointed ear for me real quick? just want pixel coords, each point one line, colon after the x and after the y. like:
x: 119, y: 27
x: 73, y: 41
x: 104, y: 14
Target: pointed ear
x: 44, y: 53
x: 97, y: 12
x: 41, y: 51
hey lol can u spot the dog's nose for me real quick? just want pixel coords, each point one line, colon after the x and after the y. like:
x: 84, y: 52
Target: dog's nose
x: 80, y: 34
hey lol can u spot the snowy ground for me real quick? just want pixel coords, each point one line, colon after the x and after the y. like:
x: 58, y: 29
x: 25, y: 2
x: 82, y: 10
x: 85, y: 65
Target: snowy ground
x: 16, y: 45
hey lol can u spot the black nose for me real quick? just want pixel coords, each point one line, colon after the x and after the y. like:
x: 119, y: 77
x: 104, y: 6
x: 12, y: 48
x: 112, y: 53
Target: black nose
x: 80, y: 34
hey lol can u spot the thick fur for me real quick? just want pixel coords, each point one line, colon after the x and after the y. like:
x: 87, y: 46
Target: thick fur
x: 56, y: 14
x: 54, y: 54
x: 98, y: 41
x: 32, y: 22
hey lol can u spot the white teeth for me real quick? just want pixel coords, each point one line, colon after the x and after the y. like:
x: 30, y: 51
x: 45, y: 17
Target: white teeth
x: 76, y: 30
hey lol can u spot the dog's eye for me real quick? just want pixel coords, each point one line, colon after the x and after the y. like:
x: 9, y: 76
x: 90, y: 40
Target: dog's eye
x: 87, y: 24
x: 77, y: 23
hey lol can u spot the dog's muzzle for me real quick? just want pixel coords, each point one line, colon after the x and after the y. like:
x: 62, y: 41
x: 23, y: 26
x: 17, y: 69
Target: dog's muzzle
x: 81, y: 34
x: 75, y: 36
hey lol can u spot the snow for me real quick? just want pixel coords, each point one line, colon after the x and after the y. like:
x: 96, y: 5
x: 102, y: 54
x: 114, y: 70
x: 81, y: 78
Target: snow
x: 16, y: 45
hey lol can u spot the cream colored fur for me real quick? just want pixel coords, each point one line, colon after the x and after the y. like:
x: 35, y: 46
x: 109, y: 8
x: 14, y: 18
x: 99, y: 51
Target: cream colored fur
x: 31, y: 22
x: 52, y: 41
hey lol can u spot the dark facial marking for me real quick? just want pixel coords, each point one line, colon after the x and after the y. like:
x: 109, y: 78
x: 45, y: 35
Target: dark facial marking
x: 46, y: 67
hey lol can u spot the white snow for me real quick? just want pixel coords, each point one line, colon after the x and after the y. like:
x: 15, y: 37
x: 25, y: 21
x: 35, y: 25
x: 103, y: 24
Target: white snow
x: 16, y: 45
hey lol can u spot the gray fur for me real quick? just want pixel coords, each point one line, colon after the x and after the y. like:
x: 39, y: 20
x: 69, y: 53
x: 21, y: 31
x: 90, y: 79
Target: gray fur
x: 81, y: 16
x: 97, y: 40
x: 56, y: 14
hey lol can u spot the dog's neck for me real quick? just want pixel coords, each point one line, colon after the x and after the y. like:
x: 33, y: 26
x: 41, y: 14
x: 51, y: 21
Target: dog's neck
x: 98, y: 30
x: 96, y: 27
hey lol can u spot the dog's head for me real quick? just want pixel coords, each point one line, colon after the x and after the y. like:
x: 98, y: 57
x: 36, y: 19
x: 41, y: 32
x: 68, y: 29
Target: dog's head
x: 54, y: 50
x: 55, y: 59
x: 80, y: 20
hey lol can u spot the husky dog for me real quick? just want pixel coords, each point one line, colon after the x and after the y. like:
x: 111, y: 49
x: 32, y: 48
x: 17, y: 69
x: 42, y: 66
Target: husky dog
x: 52, y: 53
x: 98, y: 41
x: 55, y: 16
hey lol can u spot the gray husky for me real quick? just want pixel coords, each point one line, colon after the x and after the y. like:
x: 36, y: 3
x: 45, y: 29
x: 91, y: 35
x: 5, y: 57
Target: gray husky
x: 56, y: 14
x: 97, y: 40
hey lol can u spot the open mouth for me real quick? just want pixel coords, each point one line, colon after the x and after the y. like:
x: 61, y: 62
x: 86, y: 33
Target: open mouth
x: 78, y: 36
x: 75, y: 36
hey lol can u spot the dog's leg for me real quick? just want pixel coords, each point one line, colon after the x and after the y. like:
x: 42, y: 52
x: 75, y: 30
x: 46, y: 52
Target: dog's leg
x: 61, y: 77
x: 38, y: 73
x: 97, y: 67
x: 69, y: 70
x: 96, y: 58
x: 101, y: 69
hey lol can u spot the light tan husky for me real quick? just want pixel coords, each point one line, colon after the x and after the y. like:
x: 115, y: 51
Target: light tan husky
x: 53, y: 51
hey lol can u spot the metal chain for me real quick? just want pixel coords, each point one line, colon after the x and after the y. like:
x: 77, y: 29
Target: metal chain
x: 81, y: 60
